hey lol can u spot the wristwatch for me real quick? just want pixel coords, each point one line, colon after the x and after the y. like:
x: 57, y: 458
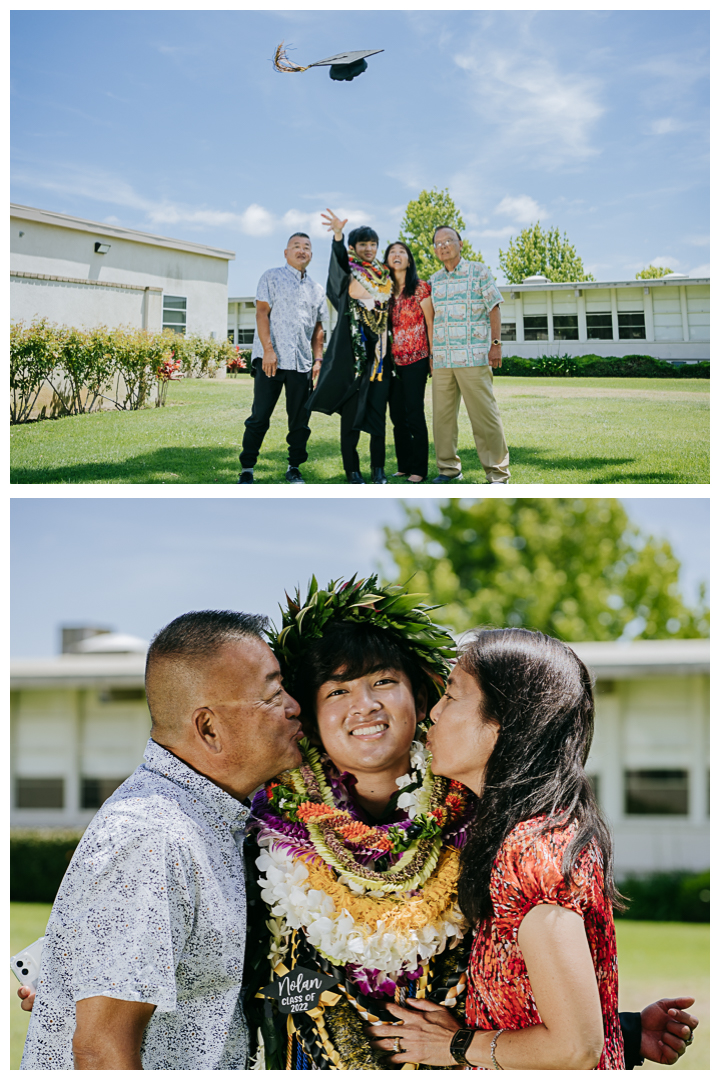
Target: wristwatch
x: 460, y: 1043
x: 496, y: 341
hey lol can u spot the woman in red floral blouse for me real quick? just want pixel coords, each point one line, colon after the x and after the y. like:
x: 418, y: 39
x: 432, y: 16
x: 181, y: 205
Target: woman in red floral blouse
x: 411, y: 322
x: 515, y: 726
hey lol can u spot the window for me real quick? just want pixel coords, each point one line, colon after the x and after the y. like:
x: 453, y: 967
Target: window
x: 599, y: 326
x: 123, y: 693
x: 565, y: 327
x: 536, y: 327
x: 94, y: 792
x: 508, y: 332
x: 175, y: 313
x: 46, y: 793
x: 656, y: 791
x: 631, y: 324
x: 231, y: 337
x: 246, y: 336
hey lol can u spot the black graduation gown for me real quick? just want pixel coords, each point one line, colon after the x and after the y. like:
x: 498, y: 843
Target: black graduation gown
x: 337, y: 381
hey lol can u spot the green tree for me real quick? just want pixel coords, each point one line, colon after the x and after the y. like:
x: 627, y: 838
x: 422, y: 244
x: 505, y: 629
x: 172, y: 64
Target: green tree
x: 537, y: 252
x: 653, y: 272
x: 422, y: 217
x: 577, y: 569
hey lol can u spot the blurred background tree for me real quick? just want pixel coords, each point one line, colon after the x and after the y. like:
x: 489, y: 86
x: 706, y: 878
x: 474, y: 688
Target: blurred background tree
x: 577, y: 569
x: 537, y: 252
x: 422, y: 217
x: 653, y: 272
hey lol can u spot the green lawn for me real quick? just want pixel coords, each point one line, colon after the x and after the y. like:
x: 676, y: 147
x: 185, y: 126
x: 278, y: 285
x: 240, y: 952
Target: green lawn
x: 593, y: 431
x: 655, y: 960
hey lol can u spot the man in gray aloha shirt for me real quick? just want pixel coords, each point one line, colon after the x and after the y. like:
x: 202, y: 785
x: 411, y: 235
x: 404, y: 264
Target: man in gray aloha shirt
x: 142, y: 964
x: 287, y: 351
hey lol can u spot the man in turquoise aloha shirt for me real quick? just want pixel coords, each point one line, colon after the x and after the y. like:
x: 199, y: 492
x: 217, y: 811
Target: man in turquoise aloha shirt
x: 466, y: 347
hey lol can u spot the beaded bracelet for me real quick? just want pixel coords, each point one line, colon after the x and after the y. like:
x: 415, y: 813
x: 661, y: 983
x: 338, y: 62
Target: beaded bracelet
x: 493, y: 1044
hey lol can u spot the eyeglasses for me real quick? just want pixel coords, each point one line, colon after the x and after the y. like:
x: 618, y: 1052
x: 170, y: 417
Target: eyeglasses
x: 444, y: 243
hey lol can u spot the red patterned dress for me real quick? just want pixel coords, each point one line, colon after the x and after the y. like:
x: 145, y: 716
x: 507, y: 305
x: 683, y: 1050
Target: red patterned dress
x: 527, y: 872
x: 410, y: 339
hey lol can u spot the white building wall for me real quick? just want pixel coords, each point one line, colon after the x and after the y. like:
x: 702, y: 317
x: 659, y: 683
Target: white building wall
x: 61, y: 250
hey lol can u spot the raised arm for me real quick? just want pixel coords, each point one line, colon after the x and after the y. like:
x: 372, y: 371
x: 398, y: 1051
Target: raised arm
x: 109, y: 1032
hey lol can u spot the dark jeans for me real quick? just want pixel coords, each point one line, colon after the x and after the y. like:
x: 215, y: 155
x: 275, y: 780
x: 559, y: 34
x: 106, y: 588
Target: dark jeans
x: 407, y: 412
x: 266, y: 392
x: 375, y: 408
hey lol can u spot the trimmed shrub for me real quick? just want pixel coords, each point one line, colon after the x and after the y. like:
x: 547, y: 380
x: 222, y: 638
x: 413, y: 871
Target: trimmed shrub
x: 123, y: 367
x: 38, y: 861
x: 629, y: 367
x: 676, y: 896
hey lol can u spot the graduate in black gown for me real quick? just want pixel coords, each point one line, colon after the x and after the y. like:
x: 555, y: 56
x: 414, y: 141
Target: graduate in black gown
x: 356, y: 371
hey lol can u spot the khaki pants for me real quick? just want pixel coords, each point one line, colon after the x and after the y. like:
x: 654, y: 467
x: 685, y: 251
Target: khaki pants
x: 476, y: 388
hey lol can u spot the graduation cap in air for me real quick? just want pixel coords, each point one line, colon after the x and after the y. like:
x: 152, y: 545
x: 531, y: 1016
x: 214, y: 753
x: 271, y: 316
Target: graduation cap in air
x: 343, y: 67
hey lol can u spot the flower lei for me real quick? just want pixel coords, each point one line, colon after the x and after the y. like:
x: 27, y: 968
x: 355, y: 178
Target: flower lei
x: 377, y: 281
x: 354, y: 888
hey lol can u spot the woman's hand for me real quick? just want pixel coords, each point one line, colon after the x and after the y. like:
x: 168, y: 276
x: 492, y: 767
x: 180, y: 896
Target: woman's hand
x: 425, y: 1034
x: 27, y: 997
x: 334, y: 224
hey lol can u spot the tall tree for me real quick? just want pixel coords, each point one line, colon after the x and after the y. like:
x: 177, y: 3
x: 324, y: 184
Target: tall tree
x: 422, y: 217
x: 574, y: 568
x: 537, y: 252
x: 653, y: 272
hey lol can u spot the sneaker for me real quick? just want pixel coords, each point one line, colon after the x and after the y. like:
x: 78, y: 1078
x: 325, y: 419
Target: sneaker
x: 498, y: 481
x: 378, y: 476
x: 293, y: 475
x: 246, y: 477
x: 443, y: 479
x: 355, y: 478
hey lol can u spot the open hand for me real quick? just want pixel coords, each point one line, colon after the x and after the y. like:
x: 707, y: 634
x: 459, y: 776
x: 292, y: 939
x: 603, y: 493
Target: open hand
x: 334, y: 224
x: 425, y: 1034
x: 667, y: 1030
x: 27, y: 997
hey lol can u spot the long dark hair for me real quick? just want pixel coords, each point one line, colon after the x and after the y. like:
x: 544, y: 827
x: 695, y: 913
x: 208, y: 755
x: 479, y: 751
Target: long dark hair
x: 540, y: 693
x: 411, y: 274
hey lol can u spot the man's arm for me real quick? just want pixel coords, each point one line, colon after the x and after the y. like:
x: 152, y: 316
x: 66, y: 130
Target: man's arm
x: 429, y: 312
x: 316, y: 343
x: 262, y: 316
x: 495, y: 351
x: 109, y: 1032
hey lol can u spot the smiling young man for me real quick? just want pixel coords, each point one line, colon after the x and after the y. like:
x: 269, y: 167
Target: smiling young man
x: 287, y: 351
x: 142, y: 964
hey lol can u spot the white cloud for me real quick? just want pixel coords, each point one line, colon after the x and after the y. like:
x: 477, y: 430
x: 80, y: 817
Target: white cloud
x: 545, y: 110
x: 665, y: 260
x: 521, y: 208
x: 500, y: 234
x: 665, y: 126
x: 698, y: 241
x: 700, y: 271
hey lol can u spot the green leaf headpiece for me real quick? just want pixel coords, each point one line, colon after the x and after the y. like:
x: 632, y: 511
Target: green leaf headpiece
x: 391, y: 608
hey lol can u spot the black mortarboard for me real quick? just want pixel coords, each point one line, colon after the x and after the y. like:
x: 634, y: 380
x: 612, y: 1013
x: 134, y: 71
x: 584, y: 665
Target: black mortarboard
x: 343, y: 67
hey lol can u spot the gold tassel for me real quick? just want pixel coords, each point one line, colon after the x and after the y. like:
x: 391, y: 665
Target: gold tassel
x: 282, y: 63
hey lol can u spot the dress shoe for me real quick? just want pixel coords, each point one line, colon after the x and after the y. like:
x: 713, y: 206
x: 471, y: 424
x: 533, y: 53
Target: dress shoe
x: 378, y: 476
x: 246, y: 477
x: 442, y: 479
x: 293, y: 475
x: 355, y: 478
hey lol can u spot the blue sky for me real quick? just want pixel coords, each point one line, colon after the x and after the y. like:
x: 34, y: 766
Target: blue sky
x: 174, y: 122
x: 134, y: 564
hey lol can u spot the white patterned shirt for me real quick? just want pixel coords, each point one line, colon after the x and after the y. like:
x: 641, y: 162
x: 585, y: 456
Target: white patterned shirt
x: 463, y: 299
x: 152, y: 908
x: 297, y: 305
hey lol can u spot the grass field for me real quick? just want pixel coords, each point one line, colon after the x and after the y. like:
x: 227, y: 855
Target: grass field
x: 591, y: 431
x: 655, y: 959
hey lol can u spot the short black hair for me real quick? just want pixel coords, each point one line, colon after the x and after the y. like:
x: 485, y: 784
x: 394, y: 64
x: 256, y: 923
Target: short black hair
x: 303, y: 234
x: 350, y: 650
x: 450, y: 227
x: 363, y: 232
x: 199, y: 634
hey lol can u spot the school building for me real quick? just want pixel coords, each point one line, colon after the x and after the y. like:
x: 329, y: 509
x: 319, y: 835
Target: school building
x: 668, y: 318
x: 79, y: 724
x: 84, y: 273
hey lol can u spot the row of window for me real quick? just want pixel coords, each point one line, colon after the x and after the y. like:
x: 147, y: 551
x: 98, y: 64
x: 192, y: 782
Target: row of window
x: 631, y: 324
x: 241, y: 337
x: 174, y: 313
x: 646, y: 791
